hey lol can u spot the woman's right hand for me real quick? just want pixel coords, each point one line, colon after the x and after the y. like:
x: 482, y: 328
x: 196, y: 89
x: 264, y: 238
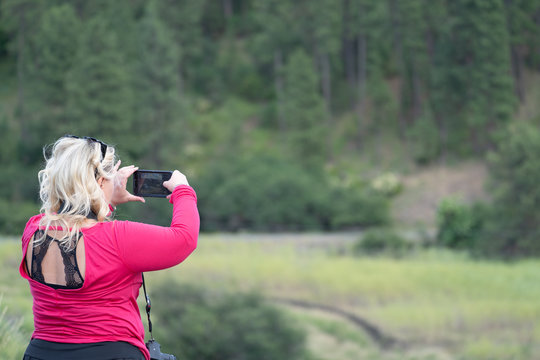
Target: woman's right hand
x: 177, y: 178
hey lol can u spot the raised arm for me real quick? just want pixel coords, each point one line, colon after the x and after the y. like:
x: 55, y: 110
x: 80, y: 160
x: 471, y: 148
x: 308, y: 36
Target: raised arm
x: 145, y: 247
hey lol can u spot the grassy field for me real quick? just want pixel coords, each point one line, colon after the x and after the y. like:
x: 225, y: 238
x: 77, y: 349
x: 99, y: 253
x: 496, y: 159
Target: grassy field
x: 435, y: 304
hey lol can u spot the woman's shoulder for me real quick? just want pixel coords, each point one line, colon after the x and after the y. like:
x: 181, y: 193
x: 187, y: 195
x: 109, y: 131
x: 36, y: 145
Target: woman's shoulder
x: 33, y: 222
x: 31, y: 226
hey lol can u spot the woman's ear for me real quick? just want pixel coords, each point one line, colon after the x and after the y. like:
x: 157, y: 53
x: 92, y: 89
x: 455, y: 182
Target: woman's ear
x: 100, y: 181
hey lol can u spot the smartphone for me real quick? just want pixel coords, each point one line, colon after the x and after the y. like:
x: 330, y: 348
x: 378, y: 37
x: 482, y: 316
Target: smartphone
x: 149, y: 183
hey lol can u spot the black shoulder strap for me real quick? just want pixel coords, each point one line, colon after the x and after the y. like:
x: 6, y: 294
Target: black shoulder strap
x: 148, y: 308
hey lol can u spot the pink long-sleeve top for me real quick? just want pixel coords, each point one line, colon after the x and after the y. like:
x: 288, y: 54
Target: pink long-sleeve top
x: 116, y: 252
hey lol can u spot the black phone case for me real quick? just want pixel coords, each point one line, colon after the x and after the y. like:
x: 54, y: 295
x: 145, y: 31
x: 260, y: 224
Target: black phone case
x: 136, y: 178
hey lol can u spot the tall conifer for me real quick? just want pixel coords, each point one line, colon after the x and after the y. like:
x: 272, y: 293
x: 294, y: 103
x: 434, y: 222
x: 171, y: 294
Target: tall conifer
x: 100, y: 99
x: 159, y: 114
x: 304, y: 109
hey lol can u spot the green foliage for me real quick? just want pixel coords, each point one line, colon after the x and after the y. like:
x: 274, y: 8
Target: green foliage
x: 304, y: 110
x: 473, y: 87
x: 54, y: 56
x: 195, y: 324
x: 381, y: 240
x: 132, y: 72
x: 458, y: 224
x: 266, y: 192
x: 358, y: 208
x: 100, y: 97
x: 512, y: 225
x: 424, y: 136
x: 261, y: 192
x: 159, y: 111
x: 14, y: 215
x: 12, y: 342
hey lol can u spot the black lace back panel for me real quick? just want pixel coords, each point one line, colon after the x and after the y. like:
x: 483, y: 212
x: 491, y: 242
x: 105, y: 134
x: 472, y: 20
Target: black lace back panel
x: 74, y: 279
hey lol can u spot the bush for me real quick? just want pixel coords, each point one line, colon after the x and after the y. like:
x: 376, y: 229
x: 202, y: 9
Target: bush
x: 352, y: 208
x: 192, y: 324
x: 458, y: 224
x: 376, y: 241
x: 387, y: 184
x: 511, y: 229
x: 265, y: 192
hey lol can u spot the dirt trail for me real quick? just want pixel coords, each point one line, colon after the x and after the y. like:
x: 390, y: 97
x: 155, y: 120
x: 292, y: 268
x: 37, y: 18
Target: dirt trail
x: 384, y: 341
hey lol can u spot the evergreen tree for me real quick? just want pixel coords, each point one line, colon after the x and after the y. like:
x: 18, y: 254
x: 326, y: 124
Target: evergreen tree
x: 20, y: 18
x: 412, y: 57
x: 183, y: 20
x: 512, y: 225
x: 159, y: 113
x: 375, y: 105
x: 321, y: 30
x: 277, y: 36
x: 304, y: 110
x: 100, y: 99
x: 522, y: 18
x: 481, y: 50
x: 54, y: 54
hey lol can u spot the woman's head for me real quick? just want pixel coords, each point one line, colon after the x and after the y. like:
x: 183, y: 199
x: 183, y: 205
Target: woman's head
x: 73, y: 181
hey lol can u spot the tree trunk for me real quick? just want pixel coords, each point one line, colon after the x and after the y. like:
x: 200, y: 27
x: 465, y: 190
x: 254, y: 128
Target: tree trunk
x: 417, y: 96
x: 443, y: 139
x: 348, y: 46
x: 361, y: 85
x: 278, y: 85
x: 227, y: 9
x: 398, y: 50
x: 21, y: 78
x: 180, y: 80
x: 326, y: 82
x: 517, y: 69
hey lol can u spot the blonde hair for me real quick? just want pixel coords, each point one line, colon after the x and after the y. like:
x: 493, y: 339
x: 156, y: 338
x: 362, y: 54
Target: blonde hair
x: 69, y: 189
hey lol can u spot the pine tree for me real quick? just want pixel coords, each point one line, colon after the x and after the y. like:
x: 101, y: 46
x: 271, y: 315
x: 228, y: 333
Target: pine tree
x: 54, y: 54
x: 100, y: 99
x: 412, y: 57
x: 371, y: 29
x: 158, y: 102
x: 20, y: 18
x: 522, y: 18
x: 183, y: 19
x: 304, y: 110
x: 321, y: 29
x: 279, y: 34
x: 482, y: 52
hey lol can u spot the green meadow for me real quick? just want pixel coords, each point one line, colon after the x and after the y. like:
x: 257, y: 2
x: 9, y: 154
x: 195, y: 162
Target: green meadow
x: 432, y: 303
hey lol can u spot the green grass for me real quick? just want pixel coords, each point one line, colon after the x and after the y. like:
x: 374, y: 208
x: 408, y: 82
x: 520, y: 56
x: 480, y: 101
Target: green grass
x: 433, y: 299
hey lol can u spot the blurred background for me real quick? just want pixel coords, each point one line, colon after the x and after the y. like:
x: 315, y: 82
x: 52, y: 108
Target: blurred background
x: 366, y: 170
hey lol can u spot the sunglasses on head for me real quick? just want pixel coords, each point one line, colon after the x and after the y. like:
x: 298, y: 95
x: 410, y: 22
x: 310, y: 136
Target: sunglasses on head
x: 101, y: 143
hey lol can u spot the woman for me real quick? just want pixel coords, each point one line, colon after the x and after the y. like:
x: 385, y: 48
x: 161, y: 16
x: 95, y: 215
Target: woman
x: 84, y: 269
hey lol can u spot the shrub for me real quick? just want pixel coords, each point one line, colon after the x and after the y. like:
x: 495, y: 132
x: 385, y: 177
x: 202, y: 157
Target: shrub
x: 383, y: 240
x: 458, y: 224
x: 387, y: 184
x: 193, y: 324
x: 358, y: 208
x: 265, y: 192
x: 511, y: 229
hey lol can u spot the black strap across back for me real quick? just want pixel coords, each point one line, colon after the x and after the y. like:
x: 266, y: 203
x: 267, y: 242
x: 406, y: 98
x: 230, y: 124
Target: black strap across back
x: 74, y: 279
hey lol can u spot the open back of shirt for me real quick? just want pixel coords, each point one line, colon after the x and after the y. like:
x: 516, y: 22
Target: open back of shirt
x: 53, y: 265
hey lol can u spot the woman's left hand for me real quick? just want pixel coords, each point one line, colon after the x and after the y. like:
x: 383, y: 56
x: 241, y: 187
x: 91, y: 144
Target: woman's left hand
x: 120, y: 193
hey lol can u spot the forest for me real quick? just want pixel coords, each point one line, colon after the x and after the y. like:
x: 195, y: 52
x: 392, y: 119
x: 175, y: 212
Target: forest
x: 304, y: 117
x: 310, y: 100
